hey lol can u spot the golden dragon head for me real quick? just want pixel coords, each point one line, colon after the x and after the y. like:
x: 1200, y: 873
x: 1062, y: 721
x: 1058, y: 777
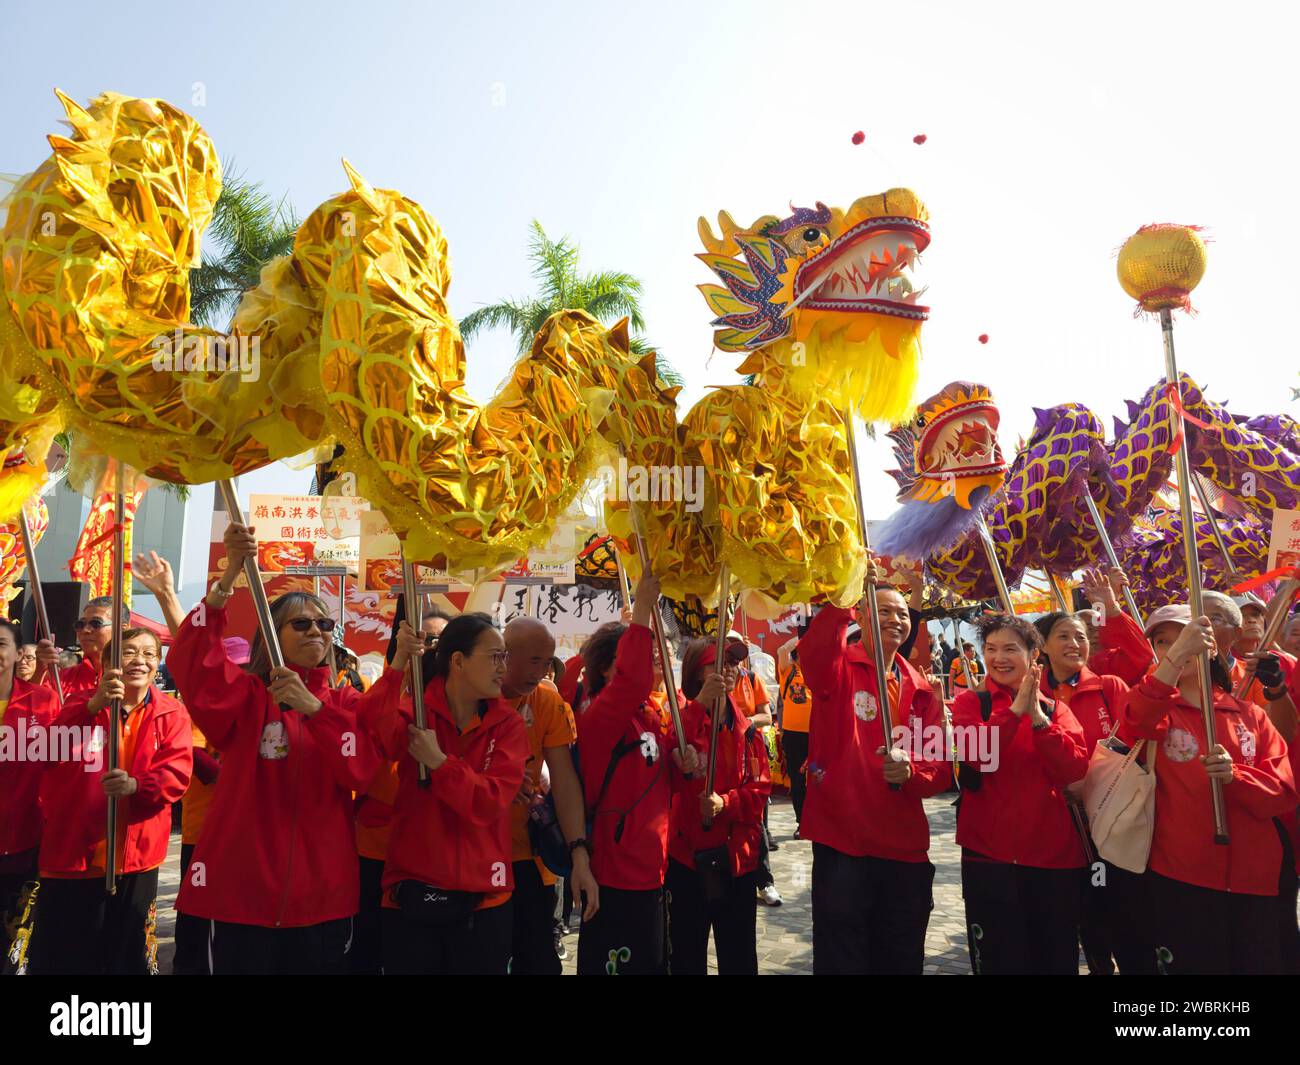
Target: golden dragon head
x: 826, y: 298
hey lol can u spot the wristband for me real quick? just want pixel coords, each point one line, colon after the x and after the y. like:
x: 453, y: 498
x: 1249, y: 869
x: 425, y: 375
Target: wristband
x: 219, y: 592
x: 584, y: 843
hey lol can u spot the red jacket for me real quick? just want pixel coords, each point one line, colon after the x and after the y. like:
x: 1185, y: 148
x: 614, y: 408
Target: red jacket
x: 454, y: 833
x: 629, y: 835
x: 277, y: 847
x: 1262, y: 788
x: 1125, y: 652
x: 72, y: 792
x: 32, y: 709
x: 849, y: 806
x: 742, y: 777
x: 1094, y: 701
x: 84, y: 676
x: 568, y: 683
x: 1291, y: 821
x: 1019, y: 814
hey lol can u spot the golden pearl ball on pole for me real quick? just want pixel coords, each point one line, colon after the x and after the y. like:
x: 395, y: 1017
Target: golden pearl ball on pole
x: 1160, y: 264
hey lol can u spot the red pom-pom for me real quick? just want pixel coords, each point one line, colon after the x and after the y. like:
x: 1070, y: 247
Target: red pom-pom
x: 919, y: 139
x: 859, y: 137
x: 984, y: 338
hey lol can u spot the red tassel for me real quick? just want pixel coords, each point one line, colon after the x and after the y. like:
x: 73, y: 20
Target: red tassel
x: 859, y: 137
x: 984, y: 338
x: 919, y: 139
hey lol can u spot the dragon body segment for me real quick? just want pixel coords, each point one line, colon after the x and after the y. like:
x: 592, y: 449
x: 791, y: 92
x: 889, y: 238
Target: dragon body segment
x: 1039, y: 520
x: 358, y: 357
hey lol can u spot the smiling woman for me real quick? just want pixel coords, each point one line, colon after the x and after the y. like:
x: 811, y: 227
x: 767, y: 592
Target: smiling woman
x: 1022, y: 858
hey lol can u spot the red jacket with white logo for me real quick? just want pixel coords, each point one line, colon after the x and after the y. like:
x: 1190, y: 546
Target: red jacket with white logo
x: 1263, y: 787
x: 742, y: 778
x: 849, y: 806
x: 72, y: 792
x: 455, y: 833
x: 277, y: 847
x: 1094, y: 701
x: 629, y: 835
x: 1125, y: 652
x: 32, y: 709
x: 1019, y: 814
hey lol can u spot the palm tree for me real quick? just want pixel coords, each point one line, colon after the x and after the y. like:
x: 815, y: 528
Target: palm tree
x: 250, y: 230
x: 606, y: 296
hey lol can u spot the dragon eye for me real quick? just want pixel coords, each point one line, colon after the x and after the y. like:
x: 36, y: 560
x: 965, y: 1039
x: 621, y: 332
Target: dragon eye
x: 920, y: 421
x: 812, y: 235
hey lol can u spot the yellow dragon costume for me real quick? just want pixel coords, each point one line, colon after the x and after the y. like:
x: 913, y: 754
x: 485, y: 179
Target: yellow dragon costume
x: 348, y: 341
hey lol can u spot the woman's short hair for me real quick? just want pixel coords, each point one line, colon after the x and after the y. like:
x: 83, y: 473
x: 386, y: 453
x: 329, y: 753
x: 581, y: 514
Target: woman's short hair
x: 1023, y: 630
x: 598, y: 655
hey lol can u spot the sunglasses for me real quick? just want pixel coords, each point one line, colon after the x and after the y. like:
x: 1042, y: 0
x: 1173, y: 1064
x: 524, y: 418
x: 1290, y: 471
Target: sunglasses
x: 325, y: 625
x: 94, y: 624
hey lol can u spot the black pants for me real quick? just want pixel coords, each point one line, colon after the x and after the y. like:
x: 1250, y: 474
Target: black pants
x: 366, y: 958
x: 79, y: 929
x: 478, y: 945
x: 1021, y: 920
x: 869, y: 914
x: 533, y: 938
x: 255, y: 950
x: 191, y: 957
x: 1115, y: 922
x: 732, y: 920
x: 626, y: 937
x: 1202, y: 932
x: 763, y: 874
x: 795, y: 745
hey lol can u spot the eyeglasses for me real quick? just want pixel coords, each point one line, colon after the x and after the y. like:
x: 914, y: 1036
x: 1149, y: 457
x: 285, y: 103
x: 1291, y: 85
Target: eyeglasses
x: 325, y: 625
x: 499, y: 658
x: 95, y: 624
x: 27, y: 658
x: 130, y: 654
x: 430, y: 640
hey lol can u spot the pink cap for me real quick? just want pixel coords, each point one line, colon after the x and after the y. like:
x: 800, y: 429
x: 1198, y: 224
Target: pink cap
x: 236, y: 649
x: 1175, y: 612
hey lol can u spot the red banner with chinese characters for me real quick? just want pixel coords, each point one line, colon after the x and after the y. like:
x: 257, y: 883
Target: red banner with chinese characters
x: 92, y: 561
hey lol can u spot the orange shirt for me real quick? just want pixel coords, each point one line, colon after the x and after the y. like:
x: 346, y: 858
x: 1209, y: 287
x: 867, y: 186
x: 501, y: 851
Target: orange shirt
x: 550, y: 724
x: 796, y: 701
x: 749, y: 695
x: 374, y: 822
x: 198, y: 796
x: 958, y: 674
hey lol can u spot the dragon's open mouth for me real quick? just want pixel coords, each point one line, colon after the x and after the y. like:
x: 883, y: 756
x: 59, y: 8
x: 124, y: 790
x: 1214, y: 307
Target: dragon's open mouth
x: 962, y: 440
x: 867, y: 269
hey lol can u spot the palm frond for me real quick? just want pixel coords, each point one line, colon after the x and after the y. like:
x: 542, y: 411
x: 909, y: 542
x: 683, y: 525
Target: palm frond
x: 507, y: 314
x: 555, y: 264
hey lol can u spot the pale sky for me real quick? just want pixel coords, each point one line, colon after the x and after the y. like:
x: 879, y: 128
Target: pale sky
x: 1052, y: 134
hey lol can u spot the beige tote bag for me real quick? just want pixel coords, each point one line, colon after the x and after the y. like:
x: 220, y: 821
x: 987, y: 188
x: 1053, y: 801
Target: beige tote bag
x: 1119, y: 794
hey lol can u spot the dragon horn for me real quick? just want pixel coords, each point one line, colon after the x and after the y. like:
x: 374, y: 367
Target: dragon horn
x: 724, y: 245
x: 78, y: 117
x: 361, y: 186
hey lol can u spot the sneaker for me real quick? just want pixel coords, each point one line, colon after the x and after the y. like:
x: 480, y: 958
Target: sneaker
x: 772, y: 844
x: 769, y: 896
x: 560, y: 951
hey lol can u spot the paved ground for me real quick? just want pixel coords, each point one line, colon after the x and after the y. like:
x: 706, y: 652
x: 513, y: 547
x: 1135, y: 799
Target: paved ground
x: 784, y: 932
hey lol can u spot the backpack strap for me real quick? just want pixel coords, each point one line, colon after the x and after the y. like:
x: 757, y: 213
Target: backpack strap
x: 623, y: 747
x: 986, y: 704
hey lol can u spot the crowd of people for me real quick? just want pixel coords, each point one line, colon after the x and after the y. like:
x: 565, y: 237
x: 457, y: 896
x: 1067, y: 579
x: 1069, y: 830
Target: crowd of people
x: 325, y: 831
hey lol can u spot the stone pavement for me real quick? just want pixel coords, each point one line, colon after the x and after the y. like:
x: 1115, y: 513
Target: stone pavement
x: 784, y: 932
